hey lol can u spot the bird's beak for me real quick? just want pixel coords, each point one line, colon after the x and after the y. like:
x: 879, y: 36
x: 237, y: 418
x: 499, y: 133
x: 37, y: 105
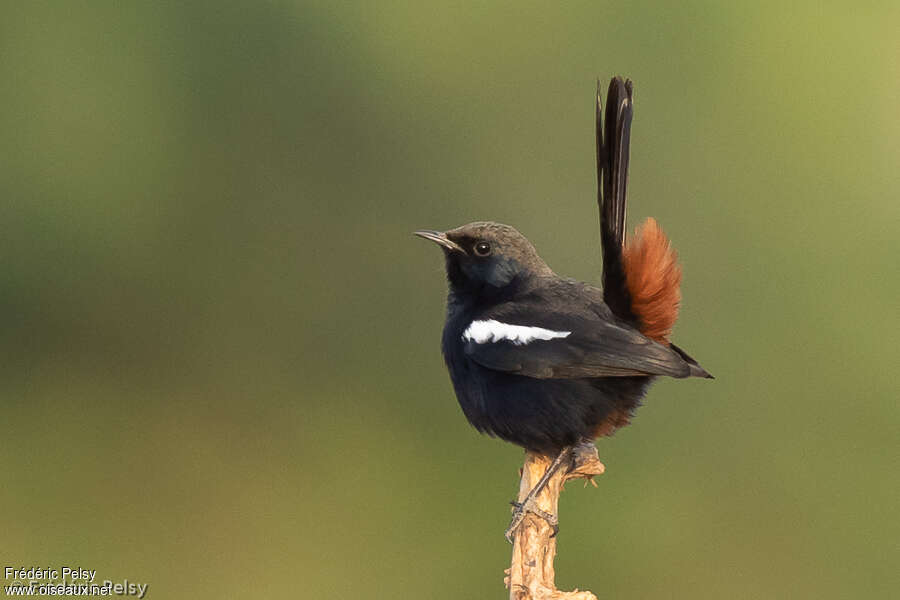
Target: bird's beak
x: 439, y: 238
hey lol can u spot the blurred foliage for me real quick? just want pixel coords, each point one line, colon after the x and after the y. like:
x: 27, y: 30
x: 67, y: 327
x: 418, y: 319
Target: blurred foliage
x: 220, y: 361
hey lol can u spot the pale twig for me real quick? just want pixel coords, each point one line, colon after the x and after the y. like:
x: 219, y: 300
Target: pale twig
x: 531, y: 574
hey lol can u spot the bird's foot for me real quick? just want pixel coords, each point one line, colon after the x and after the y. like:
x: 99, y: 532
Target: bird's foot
x: 523, y: 508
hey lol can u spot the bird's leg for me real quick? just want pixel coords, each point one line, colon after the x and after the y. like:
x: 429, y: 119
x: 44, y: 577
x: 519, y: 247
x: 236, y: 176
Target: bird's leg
x: 529, y: 505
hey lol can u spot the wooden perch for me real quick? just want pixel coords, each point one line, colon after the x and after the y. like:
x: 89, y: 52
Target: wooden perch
x: 531, y: 574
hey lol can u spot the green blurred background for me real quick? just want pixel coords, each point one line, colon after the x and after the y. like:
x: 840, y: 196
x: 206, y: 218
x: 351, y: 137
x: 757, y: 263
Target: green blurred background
x: 220, y: 353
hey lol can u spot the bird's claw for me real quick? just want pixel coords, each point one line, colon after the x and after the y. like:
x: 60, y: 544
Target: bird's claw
x: 523, y: 508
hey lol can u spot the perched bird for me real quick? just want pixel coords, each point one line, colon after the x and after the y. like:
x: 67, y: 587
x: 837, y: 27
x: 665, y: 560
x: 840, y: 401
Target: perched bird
x: 547, y: 362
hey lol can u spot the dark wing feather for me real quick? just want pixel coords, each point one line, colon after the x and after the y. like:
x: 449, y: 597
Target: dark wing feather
x: 613, y: 147
x: 594, y: 348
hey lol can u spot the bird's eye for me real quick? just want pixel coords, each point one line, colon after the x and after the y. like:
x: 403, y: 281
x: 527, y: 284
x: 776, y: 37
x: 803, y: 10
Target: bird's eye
x: 482, y: 248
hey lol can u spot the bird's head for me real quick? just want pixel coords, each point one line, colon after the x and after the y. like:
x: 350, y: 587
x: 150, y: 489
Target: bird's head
x: 487, y: 257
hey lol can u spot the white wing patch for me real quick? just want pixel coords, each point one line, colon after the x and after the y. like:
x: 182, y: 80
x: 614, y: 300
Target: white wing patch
x: 481, y: 332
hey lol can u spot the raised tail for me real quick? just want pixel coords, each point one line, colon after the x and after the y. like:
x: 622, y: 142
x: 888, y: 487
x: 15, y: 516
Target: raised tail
x: 641, y: 279
x: 613, y: 142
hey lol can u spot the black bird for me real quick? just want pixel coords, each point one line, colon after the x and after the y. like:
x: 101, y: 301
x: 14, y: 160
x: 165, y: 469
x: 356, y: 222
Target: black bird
x: 547, y: 362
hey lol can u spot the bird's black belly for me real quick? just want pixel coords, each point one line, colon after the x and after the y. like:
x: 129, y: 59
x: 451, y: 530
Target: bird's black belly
x: 541, y: 414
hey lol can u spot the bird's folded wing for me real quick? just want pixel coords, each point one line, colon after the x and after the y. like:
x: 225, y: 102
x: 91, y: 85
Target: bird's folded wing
x: 567, y: 347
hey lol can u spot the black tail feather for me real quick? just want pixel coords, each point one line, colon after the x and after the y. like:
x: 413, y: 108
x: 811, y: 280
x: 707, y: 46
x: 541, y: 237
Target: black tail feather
x: 613, y: 144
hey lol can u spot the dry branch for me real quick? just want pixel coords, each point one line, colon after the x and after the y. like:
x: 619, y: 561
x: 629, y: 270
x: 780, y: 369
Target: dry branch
x: 531, y: 574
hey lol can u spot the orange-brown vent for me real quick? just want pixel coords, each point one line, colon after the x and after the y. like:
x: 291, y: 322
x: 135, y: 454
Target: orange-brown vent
x: 653, y: 277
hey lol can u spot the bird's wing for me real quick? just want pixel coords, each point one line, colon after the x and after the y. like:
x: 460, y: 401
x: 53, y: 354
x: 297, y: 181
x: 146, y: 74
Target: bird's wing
x: 536, y: 342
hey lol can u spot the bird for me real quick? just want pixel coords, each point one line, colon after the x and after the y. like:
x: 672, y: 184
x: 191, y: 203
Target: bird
x: 548, y: 362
